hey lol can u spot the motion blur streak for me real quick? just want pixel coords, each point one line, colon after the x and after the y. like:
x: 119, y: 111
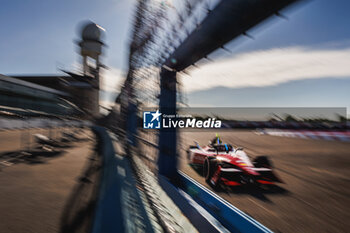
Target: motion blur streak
x: 315, y: 173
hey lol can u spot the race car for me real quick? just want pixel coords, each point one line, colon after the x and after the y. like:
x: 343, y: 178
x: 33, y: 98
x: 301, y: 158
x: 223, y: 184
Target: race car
x: 222, y: 163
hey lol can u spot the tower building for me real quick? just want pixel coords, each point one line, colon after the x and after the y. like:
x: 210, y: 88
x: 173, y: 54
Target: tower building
x: 80, y: 88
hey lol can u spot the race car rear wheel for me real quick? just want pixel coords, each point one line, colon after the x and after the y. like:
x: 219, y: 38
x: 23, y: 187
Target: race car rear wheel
x: 262, y: 161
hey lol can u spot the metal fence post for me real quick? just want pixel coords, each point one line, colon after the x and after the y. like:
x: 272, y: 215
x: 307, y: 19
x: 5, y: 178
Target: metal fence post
x: 131, y: 123
x: 167, y: 157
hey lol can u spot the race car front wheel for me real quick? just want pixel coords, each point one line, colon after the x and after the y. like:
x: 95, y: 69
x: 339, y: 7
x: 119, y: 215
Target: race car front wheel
x: 209, y: 169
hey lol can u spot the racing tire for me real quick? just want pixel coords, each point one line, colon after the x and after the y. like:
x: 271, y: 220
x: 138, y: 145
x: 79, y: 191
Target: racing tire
x: 209, y: 169
x: 262, y: 161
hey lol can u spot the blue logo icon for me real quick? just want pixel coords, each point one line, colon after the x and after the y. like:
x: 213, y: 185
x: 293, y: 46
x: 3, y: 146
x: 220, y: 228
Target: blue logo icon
x: 151, y: 120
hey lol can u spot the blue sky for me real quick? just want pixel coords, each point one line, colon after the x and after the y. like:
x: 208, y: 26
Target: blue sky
x: 37, y: 37
x: 38, y: 34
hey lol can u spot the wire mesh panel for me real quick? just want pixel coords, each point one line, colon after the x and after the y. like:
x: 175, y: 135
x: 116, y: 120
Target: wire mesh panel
x: 159, y: 27
x: 168, y: 37
x: 148, y: 148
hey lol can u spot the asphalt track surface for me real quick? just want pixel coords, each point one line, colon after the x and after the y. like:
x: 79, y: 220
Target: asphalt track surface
x: 316, y: 194
x: 48, y: 195
x: 47, y: 192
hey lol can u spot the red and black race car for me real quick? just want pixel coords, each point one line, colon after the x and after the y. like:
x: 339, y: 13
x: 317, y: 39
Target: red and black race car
x: 224, y: 164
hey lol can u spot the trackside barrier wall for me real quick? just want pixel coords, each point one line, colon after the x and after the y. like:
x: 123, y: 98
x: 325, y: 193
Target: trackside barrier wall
x: 13, y: 124
x: 200, y: 218
x: 119, y: 207
x: 228, y: 215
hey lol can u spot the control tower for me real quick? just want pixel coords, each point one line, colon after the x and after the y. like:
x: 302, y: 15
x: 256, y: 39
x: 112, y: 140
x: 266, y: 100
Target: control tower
x: 86, y: 93
x: 82, y: 89
x: 91, y: 47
